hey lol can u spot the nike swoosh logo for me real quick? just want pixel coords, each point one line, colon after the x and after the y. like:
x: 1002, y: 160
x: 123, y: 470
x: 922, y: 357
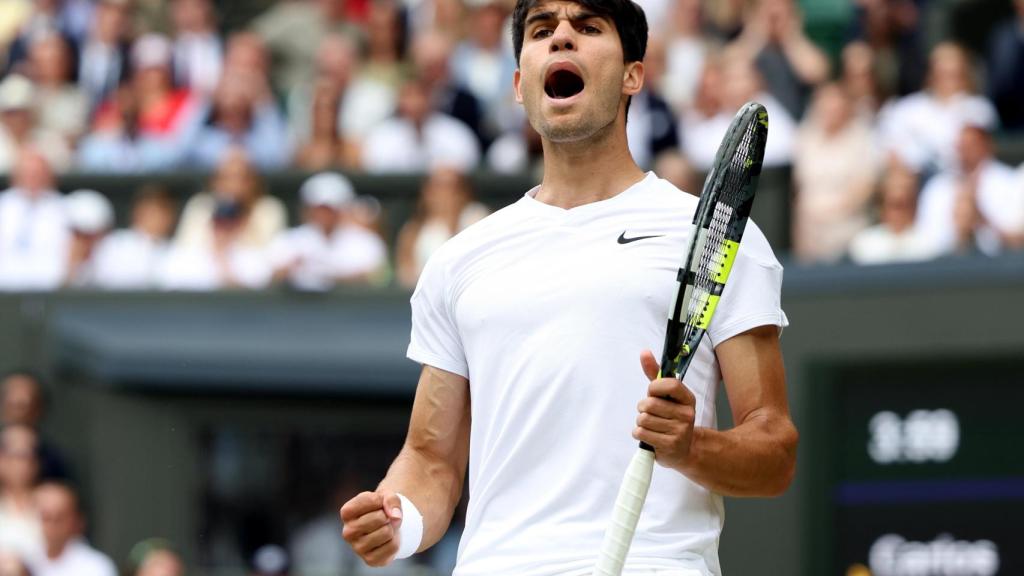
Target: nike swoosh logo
x: 624, y: 240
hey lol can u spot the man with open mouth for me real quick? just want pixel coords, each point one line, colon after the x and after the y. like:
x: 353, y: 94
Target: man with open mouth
x: 528, y: 325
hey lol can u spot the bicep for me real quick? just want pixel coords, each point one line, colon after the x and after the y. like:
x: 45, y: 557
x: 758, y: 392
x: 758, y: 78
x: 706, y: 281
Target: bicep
x: 439, y: 427
x: 755, y: 380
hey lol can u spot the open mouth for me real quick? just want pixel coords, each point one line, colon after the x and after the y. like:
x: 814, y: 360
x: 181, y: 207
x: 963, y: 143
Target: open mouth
x: 563, y: 84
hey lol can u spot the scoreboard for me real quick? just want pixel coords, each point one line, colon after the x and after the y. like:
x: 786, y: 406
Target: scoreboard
x: 919, y: 468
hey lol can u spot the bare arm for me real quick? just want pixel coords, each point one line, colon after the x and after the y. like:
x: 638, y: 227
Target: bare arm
x: 429, y: 471
x: 757, y: 457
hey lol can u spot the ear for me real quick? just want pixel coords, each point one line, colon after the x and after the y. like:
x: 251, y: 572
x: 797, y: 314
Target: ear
x: 516, y: 77
x: 633, y: 78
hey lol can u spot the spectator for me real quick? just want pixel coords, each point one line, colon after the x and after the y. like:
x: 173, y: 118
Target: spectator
x: 686, y: 48
x: 19, y: 128
x: 90, y: 217
x: 69, y: 18
x: 235, y: 183
x: 894, y: 238
x: 789, y: 62
x: 67, y: 552
x: 105, y: 51
x: 11, y: 565
x: 227, y: 262
x: 33, y: 228
x: 386, y: 41
x: 677, y: 169
x: 859, y: 79
x: 419, y: 138
x: 834, y: 172
x: 726, y: 84
x: 165, y: 120
x: 483, y: 64
x: 652, y: 127
x: 23, y: 403
x: 20, y: 529
x: 294, y: 31
x: 332, y: 116
x: 446, y: 207
x: 246, y: 52
x: 328, y: 247
x: 155, y: 557
x: 974, y: 204
x: 923, y: 128
x: 892, y: 29
x: 517, y: 152
x: 243, y: 114
x: 61, y: 106
x: 431, y: 54
x: 198, y: 50
x: 131, y: 258
x: 113, y: 144
x: 1006, y: 69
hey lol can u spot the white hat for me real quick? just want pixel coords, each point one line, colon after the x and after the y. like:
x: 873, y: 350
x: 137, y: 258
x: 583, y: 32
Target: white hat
x: 151, y: 51
x: 327, y: 189
x: 88, y: 211
x: 16, y: 93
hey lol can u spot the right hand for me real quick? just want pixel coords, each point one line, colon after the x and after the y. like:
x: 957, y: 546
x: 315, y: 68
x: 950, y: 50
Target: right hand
x: 370, y: 525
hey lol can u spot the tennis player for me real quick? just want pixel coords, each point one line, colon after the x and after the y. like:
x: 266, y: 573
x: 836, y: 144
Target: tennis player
x: 529, y: 325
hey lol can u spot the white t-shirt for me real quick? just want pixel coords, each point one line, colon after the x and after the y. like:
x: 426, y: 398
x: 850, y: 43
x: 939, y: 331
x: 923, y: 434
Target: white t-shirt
x: 546, y: 314
x: 34, y: 240
x: 191, y: 269
x: 129, y: 260
x: 880, y: 245
x: 323, y: 260
x: 78, y: 559
x: 396, y: 146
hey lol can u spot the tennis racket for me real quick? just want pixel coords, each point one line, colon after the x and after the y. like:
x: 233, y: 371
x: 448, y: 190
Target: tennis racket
x: 719, y: 220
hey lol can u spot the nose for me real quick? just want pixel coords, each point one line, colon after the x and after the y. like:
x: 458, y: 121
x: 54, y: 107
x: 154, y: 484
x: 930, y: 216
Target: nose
x: 562, y: 37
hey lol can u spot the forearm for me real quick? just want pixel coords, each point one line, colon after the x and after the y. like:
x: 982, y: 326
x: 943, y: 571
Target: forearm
x: 810, y: 64
x: 756, y: 458
x: 433, y: 485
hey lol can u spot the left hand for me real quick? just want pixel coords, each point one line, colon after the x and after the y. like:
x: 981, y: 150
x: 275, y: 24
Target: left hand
x: 666, y: 416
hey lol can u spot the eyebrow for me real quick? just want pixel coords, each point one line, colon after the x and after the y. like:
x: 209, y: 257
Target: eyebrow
x: 580, y: 16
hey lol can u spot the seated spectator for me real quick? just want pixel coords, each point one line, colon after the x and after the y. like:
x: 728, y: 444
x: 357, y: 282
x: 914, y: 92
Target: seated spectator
x: 331, y: 116
x: 113, y: 144
x: 386, y: 43
x: 20, y: 528
x: 104, y: 60
x: 483, y: 64
x: 198, y: 50
x: 22, y: 402
x: 787, y: 59
x: 923, y: 128
x: 237, y: 183
x: 132, y: 258
x: 652, y: 127
x: 727, y: 83
x: 162, y: 121
x: 517, y: 152
x: 227, y: 262
x: 445, y: 208
x: 971, y: 206
x: 418, y: 138
x: 834, y: 172
x: 893, y: 30
x: 894, y: 238
x: 328, y: 248
x: 61, y: 106
x: 859, y: 79
x: 67, y: 552
x: 1006, y: 69
x: 156, y: 557
x: 431, y: 54
x: 243, y: 114
x: 90, y: 217
x: 20, y: 129
x: 69, y: 18
x: 33, y: 228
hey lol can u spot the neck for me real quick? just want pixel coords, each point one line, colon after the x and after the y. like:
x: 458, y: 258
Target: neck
x: 577, y: 173
x: 54, y: 550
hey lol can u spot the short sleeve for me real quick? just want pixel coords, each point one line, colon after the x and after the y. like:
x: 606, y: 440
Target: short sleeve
x: 435, y: 338
x: 753, y: 294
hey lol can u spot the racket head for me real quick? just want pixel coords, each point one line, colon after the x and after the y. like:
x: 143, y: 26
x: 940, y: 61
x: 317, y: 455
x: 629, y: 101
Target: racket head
x: 719, y: 221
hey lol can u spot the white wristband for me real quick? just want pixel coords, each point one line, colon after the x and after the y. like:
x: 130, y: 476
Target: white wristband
x: 410, y: 533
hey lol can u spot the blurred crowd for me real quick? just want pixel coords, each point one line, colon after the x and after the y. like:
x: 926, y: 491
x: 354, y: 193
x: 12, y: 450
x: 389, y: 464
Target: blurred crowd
x: 890, y: 141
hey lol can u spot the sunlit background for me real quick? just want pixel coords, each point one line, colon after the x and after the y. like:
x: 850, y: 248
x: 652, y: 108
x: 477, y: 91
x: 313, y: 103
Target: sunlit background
x: 214, y: 212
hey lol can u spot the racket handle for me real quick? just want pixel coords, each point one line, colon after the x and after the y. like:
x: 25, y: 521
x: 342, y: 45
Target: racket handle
x: 628, y: 504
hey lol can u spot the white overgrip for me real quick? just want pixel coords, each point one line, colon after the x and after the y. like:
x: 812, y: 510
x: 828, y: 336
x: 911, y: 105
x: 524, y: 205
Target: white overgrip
x: 628, y: 505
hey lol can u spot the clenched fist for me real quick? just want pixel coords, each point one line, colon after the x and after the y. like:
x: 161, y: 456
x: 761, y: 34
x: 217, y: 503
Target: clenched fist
x: 370, y: 523
x: 666, y: 416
